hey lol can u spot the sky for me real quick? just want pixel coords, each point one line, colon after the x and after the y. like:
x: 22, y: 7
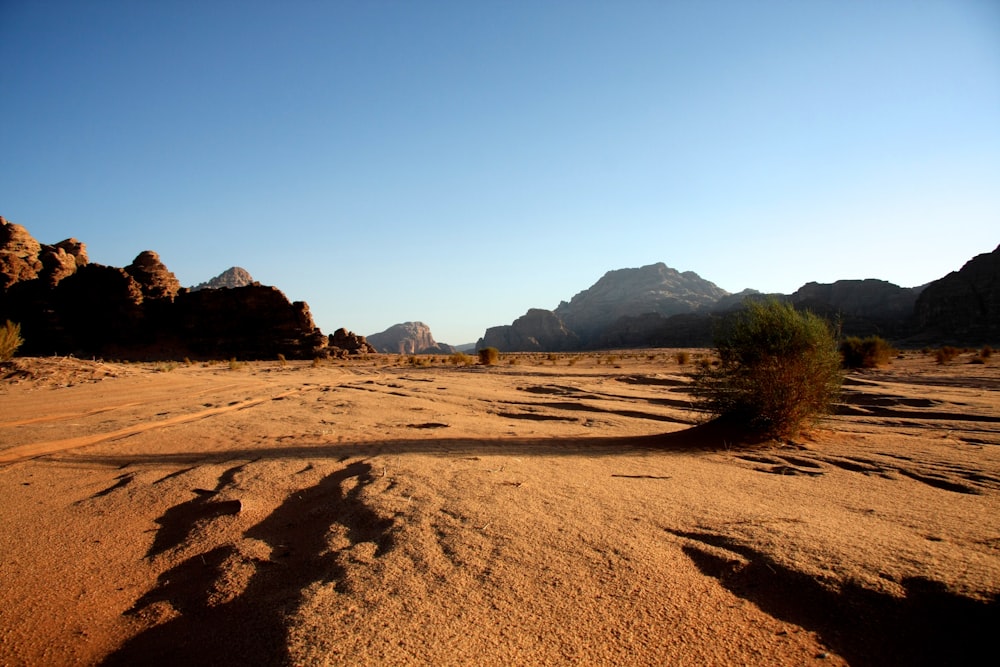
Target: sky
x: 458, y: 163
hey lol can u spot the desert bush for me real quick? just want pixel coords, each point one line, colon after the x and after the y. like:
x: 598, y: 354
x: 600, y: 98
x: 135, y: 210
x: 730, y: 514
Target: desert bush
x: 778, y: 368
x: 282, y: 361
x: 235, y: 365
x: 869, y: 352
x: 10, y: 340
x: 682, y: 357
x: 986, y: 352
x: 460, y: 359
x: 946, y: 353
x: 489, y: 356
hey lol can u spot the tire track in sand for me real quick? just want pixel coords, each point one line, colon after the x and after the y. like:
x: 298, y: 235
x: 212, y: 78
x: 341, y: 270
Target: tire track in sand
x: 34, y: 450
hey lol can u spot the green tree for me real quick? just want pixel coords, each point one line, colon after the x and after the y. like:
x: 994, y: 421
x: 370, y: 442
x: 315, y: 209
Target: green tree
x: 778, y: 368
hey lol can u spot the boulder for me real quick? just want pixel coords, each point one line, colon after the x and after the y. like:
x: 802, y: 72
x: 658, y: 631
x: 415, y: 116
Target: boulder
x: 343, y: 343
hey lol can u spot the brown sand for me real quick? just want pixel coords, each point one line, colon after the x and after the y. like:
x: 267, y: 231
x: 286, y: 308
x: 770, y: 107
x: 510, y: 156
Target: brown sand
x: 376, y: 513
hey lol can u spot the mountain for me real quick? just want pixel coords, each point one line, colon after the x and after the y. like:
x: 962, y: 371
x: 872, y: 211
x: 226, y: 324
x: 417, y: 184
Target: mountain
x: 408, y: 338
x: 964, y: 306
x: 656, y: 288
x: 656, y: 306
x: 231, y: 277
x: 624, y: 307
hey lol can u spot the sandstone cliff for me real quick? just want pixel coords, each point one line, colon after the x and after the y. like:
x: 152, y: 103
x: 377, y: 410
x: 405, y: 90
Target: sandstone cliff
x: 534, y: 331
x: 408, y: 338
x: 861, y: 307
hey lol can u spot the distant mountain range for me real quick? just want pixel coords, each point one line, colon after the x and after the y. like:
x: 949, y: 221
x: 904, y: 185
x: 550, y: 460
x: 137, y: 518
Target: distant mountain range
x: 656, y: 305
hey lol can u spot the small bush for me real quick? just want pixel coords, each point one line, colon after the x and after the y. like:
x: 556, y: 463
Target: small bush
x: 281, y: 360
x: 946, y: 353
x: 777, y: 369
x: 460, y: 359
x: 235, y: 365
x: 10, y: 340
x: 986, y: 352
x: 869, y: 352
x: 682, y: 357
x: 489, y: 356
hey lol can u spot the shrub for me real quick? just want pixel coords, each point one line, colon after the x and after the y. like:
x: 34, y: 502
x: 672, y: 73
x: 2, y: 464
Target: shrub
x: 10, y: 340
x: 683, y: 357
x: 460, y: 358
x: 777, y: 368
x: 986, y: 352
x: 869, y: 352
x: 946, y: 353
x: 488, y: 356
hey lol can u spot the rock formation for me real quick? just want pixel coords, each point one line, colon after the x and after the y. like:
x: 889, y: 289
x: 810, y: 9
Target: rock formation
x: 534, y: 331
x: 963, y: 306
x: 156, y: 280
x: 862, y: 307
x: 343, y: 343
x: 408, y: 338
x: 656, y: 288
x: 67, y: 305
x: 231, y: 277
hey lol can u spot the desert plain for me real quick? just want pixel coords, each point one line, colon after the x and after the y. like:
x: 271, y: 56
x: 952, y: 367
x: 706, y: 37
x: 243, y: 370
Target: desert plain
x: 551, y: 509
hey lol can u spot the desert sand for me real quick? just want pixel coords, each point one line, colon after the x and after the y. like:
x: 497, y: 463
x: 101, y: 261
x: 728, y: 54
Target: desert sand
x: 568, y: 511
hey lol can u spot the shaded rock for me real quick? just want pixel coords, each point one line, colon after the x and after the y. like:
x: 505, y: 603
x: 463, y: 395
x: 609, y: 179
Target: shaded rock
x: 57, y: 264
x: 156, y: 280
x: 75, y: 248
x: 231, y: 277
x: 534, y: 331
x: 862, y: 307
x: 408, y: 338
x: 964, y: 306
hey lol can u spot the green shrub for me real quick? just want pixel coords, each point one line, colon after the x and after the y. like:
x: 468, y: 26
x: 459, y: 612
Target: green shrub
x: 869, y: 352
x: 777, y: 369
x: 946, y: 353
x: 489, y: 356
x: 10, y: 340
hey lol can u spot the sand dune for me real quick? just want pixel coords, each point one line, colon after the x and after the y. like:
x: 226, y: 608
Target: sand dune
x: 373, y: 512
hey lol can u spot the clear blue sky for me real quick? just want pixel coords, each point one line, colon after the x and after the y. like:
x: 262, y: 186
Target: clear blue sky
x: 460, y: 162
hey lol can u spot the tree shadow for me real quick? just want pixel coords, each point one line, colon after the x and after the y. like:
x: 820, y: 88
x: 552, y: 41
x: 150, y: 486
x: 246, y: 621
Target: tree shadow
x: 929, y: 626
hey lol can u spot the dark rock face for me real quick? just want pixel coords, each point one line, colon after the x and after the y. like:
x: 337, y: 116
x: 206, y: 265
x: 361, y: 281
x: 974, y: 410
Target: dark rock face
x: 964, y: 306
x: 343, y: 343
x: 534, y: 331
x: 408, y: 338
x: 66, y: 305
x: 863, y: 307
x: 231, y: 277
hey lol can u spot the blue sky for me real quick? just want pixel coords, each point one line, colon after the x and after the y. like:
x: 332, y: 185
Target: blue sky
x: 460, y: 162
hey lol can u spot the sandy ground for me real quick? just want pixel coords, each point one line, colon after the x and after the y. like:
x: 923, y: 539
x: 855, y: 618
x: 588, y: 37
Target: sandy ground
x: 542, y: 512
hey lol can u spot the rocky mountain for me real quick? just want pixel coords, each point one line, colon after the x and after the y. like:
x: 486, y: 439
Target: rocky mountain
x: 232, y: 277
x: 67, y: 305
x: 659, y: 306
x: 963, y: 306
x: 408, y: 338
x: 656, y: 288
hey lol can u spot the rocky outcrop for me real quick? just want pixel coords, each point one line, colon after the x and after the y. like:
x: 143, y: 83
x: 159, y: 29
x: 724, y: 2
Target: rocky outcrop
x: 534, y: 331
x: 408, y: 338
x: 156, y: 280
x: 343, y: 343
x: 67, y: 305
x: 19, y: 254
x: 656, y: 288
x: 228, y: 279
x: 963, y: 306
